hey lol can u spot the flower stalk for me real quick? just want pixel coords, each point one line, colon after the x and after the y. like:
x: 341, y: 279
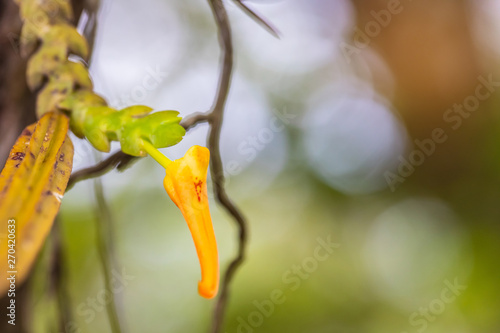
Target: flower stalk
x: 163, y: 160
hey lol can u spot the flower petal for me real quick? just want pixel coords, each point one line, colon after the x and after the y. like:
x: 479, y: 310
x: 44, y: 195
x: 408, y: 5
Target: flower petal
x: 186, y: 184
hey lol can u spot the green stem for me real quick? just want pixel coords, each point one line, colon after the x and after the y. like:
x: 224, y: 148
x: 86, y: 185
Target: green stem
x: 155, y: 153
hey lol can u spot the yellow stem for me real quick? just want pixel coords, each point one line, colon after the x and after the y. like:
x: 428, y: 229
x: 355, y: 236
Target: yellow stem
x: 155, y: 153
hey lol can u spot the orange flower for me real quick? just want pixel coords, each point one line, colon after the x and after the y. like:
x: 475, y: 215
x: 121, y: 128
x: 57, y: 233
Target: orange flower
x: 186, y: 184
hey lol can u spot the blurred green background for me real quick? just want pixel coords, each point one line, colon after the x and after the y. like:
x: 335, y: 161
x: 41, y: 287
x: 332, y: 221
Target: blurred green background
x: 316, y: 123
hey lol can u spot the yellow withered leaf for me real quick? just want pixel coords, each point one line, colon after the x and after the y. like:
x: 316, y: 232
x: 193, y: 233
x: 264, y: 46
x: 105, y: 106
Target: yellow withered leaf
x: 32, y: 184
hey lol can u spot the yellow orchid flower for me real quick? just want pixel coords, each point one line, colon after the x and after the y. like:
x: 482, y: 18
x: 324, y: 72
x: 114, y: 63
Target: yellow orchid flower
x: 186, y: 184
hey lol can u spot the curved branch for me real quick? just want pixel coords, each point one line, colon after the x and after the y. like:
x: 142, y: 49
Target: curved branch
x: 216, y: 167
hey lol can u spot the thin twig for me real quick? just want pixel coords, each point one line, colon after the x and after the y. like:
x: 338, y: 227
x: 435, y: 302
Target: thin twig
x: 105, y: 246
x: 257, y: 18
x: 216, y: 167
x: 194, y: 119
x: 118, y: 160
x: 90, y: 29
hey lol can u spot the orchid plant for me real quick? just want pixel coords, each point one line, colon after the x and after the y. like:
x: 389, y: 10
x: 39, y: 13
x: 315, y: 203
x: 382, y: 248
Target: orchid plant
x: 36, y: 174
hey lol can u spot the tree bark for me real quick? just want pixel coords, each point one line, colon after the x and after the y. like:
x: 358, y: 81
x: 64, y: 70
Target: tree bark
x: 17, y: 103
